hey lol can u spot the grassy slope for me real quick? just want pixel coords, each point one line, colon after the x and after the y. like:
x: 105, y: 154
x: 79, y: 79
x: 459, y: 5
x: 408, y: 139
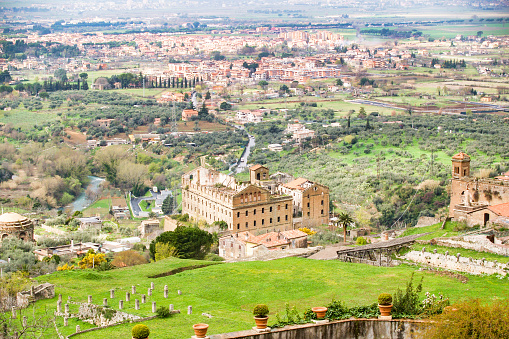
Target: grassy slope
x: 229, y: 291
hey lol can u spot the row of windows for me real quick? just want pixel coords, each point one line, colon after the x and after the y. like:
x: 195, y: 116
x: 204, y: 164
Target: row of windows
x: 263, y: 222
x: 263, y: 210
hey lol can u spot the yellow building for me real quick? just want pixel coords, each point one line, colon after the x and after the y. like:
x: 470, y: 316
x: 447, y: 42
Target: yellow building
x: 213, y: 196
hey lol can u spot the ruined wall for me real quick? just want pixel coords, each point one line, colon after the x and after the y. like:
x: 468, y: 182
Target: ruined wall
x: 342, y: 329
x: 490, y: 192
x: 457, y: 263
x: 475, y: 242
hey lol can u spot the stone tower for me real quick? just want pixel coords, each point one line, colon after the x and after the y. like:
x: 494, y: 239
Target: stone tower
x: 460, y: 165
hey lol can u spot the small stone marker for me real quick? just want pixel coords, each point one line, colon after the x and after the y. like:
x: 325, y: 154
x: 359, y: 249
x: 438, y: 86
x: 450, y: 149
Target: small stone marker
x: 89, y: 299
x: 13, y: 310
x: 127, y: 296
x: 78, y: 328
x: 120, y: 304
x: 446, y: 252
x: 149, y: 292
x: 152, y: 285
x: 166, y: 291
x: 171, y: 307
x: 59, y: 306
x: 143, y: 298
x: 154, y: 308
x: 179, y: 292
x: 112, y: 294
x: 423, y: 249
x: 60, y: 297
x: 136, y: 304
x: 435, y: 251
x: 24, y: 321
x: 66, y: 321
x: 458, y: 256
x: 133, y: 289
x: 66, y: 308
x: 189, y: 309
x: 105, y: 301
x: 69, y: 298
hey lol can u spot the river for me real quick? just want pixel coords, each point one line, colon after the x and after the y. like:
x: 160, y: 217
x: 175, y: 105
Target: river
x: 83, y: 201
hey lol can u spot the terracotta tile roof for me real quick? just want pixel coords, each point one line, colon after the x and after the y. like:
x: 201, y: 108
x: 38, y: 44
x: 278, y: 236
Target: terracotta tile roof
x: 255, y: 167
x: 461, y: 156
x: 271, y: 239
x: 296, y: 184
x: 292, y: 234
x: 501, y: 209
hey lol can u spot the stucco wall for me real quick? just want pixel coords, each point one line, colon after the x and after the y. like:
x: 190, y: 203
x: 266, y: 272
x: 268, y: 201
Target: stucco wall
x: 343, y: 329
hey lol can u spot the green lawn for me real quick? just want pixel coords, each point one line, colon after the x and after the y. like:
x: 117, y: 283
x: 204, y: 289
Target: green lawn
x: 230, y: 291
x: 436, y: 231
x: 101, y: 206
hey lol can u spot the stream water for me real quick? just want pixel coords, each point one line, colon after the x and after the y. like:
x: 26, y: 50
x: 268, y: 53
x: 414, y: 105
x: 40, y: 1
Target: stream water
x: 83, y: 201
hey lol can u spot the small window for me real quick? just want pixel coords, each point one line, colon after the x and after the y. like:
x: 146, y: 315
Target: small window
x: 254, y: 211
x: 247, y: 225
x: 308, y: 214
x: 263, y: 210
x: 238, y: 226
x: 278, y: 219
x: 254, y: 223
x: 270, y: 209
x: 238, y: 214
x: 308, y: 204
x: 286, y: 217
x: 286, y: 206
x: 321, y: 203
x: 246, y: 213
x: 270, y: 220
x: 321, y: 212
x: 263, y: 221
x: 279, y: 207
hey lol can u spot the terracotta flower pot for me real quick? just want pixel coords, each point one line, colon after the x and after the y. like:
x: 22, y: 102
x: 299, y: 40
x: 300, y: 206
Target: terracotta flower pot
x: 320, y: 312
x: 200, y: 330
x: 385, y: 310
x: 261, y: 322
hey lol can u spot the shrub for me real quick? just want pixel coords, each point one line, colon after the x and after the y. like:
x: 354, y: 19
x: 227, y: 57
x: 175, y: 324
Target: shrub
x: 433, y: 305
x: 163, y: 312
x: 384, y: 299
x: 407, y: 305
x: 140, y: 331
x: 261, y: 310
x: 213, y: 257
x: 361, y: 241
x: 471, y: 319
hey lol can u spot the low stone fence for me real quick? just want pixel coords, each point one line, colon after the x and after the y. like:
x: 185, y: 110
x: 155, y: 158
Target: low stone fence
x: 341, y: 329
x: 475, y: 242
x: 457, y: 263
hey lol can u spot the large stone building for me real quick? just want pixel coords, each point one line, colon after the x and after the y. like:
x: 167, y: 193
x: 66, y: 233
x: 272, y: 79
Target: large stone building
x: 261, y: 205
x: 478, y: 201
x: 14, y: 225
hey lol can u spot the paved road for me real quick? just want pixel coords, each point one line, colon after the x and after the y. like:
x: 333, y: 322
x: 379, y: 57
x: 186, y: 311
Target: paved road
x: 328, y: 253
x: 242, y: 162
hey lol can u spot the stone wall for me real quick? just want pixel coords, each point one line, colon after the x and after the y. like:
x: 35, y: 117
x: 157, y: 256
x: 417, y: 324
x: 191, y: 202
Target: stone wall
x: 457, y: 263
x: 475, y: 242
x: 342, y: 329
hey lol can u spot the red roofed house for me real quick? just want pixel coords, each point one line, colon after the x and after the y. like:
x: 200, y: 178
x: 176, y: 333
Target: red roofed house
x: 187, y: 114
x: 245, y: 244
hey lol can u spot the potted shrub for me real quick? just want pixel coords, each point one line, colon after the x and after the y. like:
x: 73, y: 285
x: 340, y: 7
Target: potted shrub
x: 140, y: 331
x: 385, y: 304
x: 320, y: 312
x: 261, y: 315
x: 200, y: 330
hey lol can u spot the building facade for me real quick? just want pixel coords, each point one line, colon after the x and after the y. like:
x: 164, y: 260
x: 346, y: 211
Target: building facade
x: 475, y: 200
x: 16, y: 226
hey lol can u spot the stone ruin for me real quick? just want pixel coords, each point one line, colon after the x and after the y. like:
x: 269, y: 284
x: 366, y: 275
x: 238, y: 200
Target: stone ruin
x: 24, y: 298
x: 457, y: 262
x: 102, y: 315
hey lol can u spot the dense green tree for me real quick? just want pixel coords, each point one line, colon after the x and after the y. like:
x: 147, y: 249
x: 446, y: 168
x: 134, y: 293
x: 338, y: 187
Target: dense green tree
x: 189, y: 242
x: 168, y: 205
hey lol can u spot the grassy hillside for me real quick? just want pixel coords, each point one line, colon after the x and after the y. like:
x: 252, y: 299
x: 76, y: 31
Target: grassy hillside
x: 230, y: 291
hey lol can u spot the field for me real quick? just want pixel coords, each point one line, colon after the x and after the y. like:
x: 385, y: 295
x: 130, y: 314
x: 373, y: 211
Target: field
x: 229, y: 291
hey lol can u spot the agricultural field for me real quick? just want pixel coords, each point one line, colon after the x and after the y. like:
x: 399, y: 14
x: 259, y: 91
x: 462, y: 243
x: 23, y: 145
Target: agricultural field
x: 294, y: 281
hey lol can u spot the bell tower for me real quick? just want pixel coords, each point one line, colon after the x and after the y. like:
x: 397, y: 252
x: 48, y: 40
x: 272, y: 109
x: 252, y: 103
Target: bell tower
x: 460, y: 165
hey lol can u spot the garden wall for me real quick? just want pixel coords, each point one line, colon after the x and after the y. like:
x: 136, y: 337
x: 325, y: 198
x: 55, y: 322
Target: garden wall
x: 341, y: 329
